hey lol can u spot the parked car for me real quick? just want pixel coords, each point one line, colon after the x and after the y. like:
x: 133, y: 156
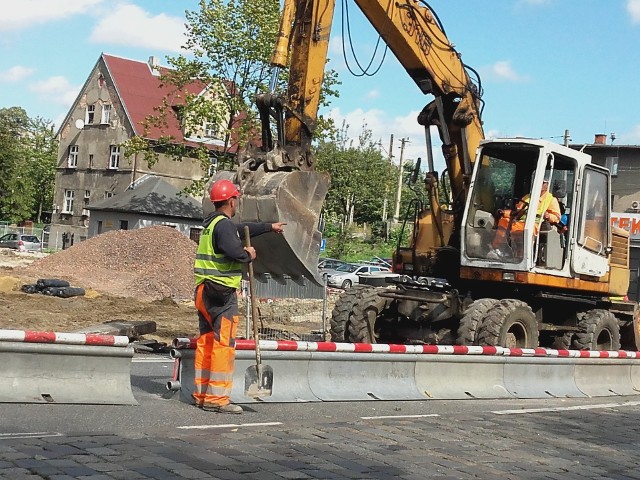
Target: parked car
x: 21, y: 242
x: 327, y: 266
x: 348, y: 275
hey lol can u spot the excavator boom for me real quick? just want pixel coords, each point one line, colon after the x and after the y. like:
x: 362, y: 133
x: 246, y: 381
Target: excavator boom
x: 278, y: 180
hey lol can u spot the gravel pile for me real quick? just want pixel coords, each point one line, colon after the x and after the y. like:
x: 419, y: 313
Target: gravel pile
x: 148, y: 264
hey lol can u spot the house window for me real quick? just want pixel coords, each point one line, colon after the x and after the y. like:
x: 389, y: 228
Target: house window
x: 124, y: 224
x: 106, y: 113
x: 90, y: 115
x: 72, y: 159
x: 108, y: 194
x: 612, y: 165
x: 114, y: 158
x: 210, y: 130
x: 68, y: 201
x: 91, y: 160
x: 101, y: 81
x: 87, y: 196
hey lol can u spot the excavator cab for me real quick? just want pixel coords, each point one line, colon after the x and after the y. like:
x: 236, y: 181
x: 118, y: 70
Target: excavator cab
x: 544, y: 209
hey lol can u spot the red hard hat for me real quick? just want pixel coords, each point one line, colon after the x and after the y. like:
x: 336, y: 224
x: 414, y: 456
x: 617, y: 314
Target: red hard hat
x: 223, y: 190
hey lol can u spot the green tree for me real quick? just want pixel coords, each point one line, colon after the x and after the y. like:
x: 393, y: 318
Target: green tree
x: 231, y: 42
x: 361, y: 178
x: 27, y: 165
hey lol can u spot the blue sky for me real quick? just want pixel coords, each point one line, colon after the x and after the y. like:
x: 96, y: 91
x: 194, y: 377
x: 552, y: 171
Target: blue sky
x: 546, y: 65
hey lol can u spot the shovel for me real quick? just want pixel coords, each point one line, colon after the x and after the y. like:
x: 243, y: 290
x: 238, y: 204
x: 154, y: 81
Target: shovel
x: 258, y: 378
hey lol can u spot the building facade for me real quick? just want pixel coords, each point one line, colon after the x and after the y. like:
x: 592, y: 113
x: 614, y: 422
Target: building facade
x: 111, y: 108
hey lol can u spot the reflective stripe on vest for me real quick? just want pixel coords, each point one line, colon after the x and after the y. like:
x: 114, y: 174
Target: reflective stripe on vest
x: 210, y: 265
x: 543, y: 205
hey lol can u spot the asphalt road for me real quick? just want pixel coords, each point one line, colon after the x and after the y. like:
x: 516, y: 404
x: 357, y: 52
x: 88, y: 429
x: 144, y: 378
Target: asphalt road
x: 163, y: 438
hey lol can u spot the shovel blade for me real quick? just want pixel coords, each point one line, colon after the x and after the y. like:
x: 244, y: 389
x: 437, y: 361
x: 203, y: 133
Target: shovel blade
x: 258, y: 381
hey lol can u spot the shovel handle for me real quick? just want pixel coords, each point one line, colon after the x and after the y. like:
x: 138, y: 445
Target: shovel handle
x: 254, y: 306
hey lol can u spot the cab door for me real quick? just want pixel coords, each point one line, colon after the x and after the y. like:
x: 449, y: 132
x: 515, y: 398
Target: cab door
x: 593, y: 232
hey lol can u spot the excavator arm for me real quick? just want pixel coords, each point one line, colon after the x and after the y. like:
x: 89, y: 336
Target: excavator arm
x: 278, y: 181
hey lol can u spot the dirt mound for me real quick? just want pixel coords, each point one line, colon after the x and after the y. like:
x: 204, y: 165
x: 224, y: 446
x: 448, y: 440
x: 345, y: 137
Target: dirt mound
x: 146, y: 264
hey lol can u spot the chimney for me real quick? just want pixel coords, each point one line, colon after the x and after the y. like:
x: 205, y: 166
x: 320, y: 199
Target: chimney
x: 601, y: 139
x: 154, y: 63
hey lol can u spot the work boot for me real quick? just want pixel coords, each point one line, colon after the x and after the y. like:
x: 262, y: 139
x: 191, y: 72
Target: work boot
x: 228, y: 408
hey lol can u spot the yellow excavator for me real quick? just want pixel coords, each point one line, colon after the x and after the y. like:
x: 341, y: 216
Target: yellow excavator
x: 472, y: 274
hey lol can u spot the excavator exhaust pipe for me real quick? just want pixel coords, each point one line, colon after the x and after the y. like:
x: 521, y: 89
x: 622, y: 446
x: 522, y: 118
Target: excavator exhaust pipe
x: 294, y: 197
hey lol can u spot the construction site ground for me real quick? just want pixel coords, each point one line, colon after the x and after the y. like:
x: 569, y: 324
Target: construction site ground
x: 130, y: 276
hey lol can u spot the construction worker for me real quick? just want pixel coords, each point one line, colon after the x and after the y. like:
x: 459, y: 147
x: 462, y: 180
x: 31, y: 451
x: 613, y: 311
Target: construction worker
x: 548, y: 210
x: 218, y: 272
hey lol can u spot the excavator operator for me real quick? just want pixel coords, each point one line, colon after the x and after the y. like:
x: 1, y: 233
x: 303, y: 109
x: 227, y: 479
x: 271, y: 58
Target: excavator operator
x: 511, y: 223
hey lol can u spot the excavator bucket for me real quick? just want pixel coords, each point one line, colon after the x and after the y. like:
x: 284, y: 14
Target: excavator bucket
x: 293, y: 197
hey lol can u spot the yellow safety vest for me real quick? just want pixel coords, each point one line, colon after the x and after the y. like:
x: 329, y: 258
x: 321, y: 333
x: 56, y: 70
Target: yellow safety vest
x: 214, y: 266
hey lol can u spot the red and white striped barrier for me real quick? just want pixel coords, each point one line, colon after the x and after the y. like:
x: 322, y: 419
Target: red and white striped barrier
x: 29, y: 336
x: 293, y: 346
x: 53, y: 367
x: 328, y: 371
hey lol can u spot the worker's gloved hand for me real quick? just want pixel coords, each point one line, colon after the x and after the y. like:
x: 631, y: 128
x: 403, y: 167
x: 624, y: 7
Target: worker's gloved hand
x: 251, y: 251
x: 278, y: 227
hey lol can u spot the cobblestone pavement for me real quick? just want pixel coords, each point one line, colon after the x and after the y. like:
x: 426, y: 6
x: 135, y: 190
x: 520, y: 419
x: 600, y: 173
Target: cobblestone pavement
x: 601, y: 439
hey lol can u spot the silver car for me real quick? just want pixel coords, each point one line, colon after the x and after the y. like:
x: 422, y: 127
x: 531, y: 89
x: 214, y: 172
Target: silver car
x: 347, y: 275
x: 21, y: 242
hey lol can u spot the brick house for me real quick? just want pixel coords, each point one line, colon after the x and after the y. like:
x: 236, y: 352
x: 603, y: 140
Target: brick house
x: 110, y: 108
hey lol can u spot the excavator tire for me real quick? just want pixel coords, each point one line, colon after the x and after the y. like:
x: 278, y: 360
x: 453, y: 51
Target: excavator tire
x: 599, y: 331
x: 369, y: 303
x: 468, y: 328
x: 563, y: 342
x: 342, y: 312
x: 509, y: 323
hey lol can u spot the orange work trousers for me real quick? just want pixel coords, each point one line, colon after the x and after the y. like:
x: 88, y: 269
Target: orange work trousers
x: 215, y: 349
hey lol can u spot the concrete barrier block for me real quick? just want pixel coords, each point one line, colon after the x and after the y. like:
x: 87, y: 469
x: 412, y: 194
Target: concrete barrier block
x: 541, y: 378
x: 59, y: 373
x: 461, y: 377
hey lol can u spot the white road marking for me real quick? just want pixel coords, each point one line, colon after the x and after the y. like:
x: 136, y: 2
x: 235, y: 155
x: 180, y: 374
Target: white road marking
x: 564, y: 409
x: 229, y: 425
x: 152, y: 360
x: 11, y: 436
x: 382, y: 417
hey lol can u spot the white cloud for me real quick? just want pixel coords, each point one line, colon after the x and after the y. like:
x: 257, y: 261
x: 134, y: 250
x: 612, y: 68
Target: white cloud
x: 372, y: 94
x: 502, y: 71
x: 633, y: 7
x: 15, y: 74
x: 130, y: 25
x: 632, y: 137
x: 382, y: 126
x: 57, y: 89
x: 26, y: 13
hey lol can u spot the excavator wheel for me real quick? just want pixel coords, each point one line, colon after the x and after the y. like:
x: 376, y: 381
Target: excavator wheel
x: 342, y: 312
x: 368, y: 308
x: 509, y: 323
x: 599, y: 330
x: 468, y: 328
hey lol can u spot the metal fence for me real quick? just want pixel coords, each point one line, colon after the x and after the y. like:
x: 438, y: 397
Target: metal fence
x: 287, y: 310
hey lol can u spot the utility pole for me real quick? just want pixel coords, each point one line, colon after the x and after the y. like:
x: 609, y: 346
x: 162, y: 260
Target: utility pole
x: 567, y: 138
x: 396, y: 215
x: 385, y: 203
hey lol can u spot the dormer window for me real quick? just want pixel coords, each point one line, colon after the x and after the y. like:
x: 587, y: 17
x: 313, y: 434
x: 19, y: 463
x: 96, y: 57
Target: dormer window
x: 210, y: 130
x: 90, y: 114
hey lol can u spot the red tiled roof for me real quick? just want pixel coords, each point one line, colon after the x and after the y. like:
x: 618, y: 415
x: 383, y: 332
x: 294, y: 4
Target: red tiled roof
x: 141, y: 92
